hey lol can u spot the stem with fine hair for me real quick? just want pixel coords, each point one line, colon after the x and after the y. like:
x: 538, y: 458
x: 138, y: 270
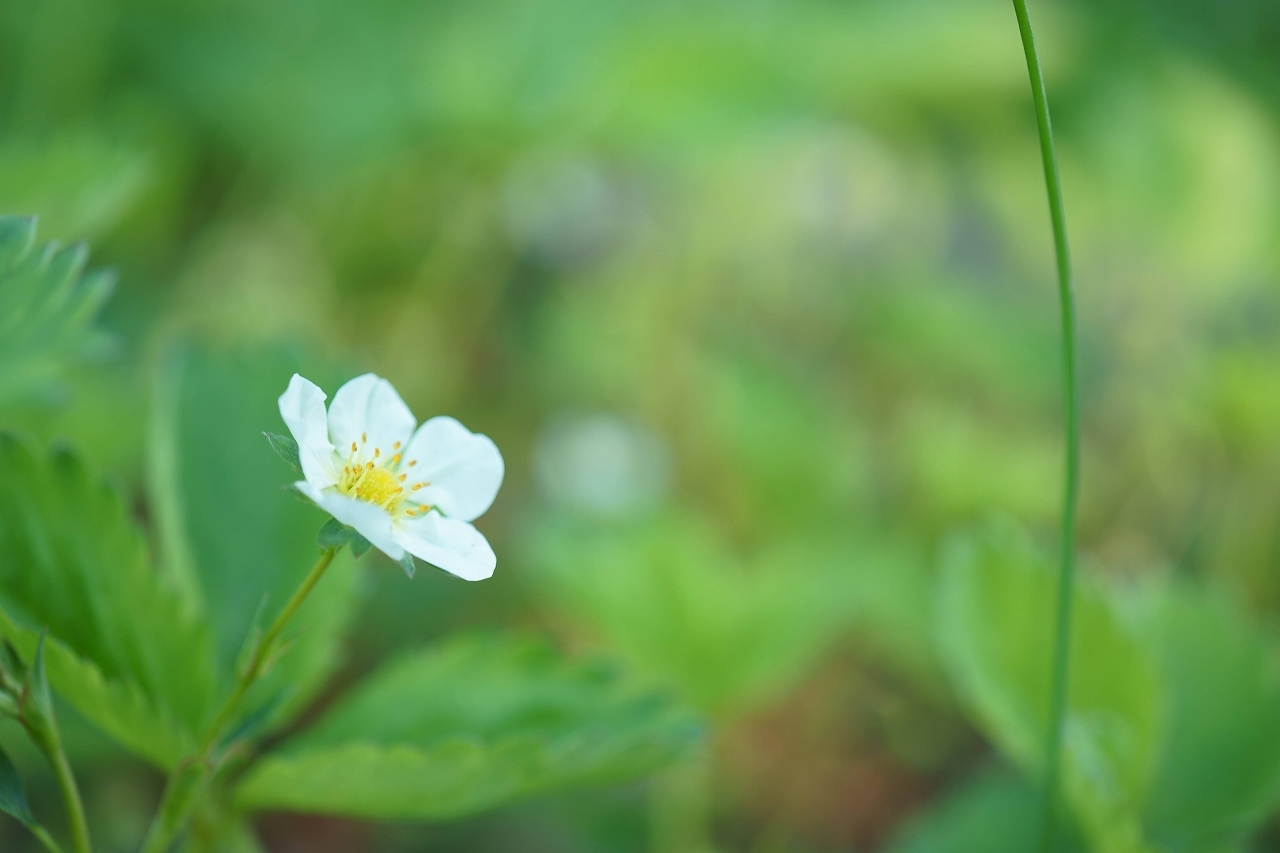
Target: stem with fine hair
x: 187, y: 779
x: 1071, y: 417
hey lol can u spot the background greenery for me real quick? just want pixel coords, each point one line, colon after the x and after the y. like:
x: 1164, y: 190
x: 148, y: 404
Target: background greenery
x: 756, y: 299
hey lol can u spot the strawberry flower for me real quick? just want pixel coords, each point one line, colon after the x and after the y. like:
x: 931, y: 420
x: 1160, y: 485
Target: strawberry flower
x: 408, y: 491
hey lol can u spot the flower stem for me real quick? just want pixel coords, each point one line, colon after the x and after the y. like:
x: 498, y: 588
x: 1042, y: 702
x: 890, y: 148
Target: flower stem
x: 70, y: 797
x: 262, y: 652
x: 1071, y: 417
x: 187, y: 779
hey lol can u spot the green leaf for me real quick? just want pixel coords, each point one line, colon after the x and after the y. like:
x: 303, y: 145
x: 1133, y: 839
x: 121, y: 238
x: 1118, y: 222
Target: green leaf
x: 122, y: 647
x: 229, y: 535
x: 335, y: 534
x: 469, y: 725
x: 670, y: 592
x: 286, y: 448
x: 996, y: 631
x: 993, y: 813
x: 1223, y: 677
x: 13, y: 798
x: 83, y: 181
x: 47, y: 308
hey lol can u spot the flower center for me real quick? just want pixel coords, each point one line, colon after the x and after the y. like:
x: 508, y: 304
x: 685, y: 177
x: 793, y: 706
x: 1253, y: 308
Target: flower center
x: 378, y: 480
x: 377, y: 486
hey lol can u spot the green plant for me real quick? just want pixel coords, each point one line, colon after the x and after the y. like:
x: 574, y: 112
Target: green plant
x: 174, y: 664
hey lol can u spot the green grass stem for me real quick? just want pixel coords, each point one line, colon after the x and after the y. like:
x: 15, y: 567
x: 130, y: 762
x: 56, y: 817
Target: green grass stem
x: 1071, y: 418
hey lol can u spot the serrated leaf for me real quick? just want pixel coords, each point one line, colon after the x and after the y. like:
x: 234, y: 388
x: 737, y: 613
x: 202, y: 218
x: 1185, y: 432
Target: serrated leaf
x: 996, y: 632
x: 121, y: 649
x: 47, y: 308
x: 286, y: 448
x: 13, y: 797
x: 469, y: 725
x: 229, y: 535
x: 1222, y: 672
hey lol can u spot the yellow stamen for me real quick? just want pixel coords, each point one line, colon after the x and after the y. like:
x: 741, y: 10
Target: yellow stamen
x: 376, y: 453
x: 395, y: 446
x: 364, y: 438
x: 413, y: 462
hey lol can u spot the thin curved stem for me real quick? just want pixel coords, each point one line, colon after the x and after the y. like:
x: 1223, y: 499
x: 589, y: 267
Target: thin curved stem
x: 1071, y: 417
x: 187, y: 780
x: 70, y: 797
x: 263, y: 651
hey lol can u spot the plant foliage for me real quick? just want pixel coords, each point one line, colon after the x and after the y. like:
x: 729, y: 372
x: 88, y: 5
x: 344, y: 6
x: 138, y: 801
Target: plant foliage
x: 468, y: 725
x: 47, y: 308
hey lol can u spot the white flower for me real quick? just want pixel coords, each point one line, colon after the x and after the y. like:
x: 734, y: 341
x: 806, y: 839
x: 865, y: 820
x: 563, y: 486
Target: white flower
x: 404, y: 490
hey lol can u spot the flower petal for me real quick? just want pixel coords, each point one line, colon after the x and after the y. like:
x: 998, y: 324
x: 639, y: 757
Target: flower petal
x: 370, y: 521
x: 302, y: 407
x: 453, y: 545
x: 464, y: 469
x: 368, y: 408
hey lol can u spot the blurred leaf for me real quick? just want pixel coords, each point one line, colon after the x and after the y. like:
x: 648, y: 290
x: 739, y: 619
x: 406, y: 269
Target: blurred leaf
x: 779, y: 440
x: 46, y: 308
x: 13, y: 798
x: 963, y: 465
x: 1218, y: 774
x: 224, y: 835
x: 994, y: 813
x: 79, y: 184
x: 890, y: 585
x: 286, y: 448
x: 469, y: 725
x: 122, y: 648
x: 728, y: 632
x: 229, y: 534
x: 996, y: 629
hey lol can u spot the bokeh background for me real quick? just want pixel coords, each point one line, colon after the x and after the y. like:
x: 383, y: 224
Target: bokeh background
x: 756, y: 297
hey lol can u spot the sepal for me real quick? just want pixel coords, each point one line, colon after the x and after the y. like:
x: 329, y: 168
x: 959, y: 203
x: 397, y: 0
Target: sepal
x: 335, y: 534
x: 35, y: 703
x: 286, y: 448
x: 406, y: 563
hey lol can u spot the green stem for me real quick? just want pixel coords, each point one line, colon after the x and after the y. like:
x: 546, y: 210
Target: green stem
x: 262, y: 653
x: 1071, y: 416
x: 187, y: 779
x: 71, y: 798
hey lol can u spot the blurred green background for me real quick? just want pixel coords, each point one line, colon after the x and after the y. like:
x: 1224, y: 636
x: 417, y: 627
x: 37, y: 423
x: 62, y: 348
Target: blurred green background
x: 756, y: 298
